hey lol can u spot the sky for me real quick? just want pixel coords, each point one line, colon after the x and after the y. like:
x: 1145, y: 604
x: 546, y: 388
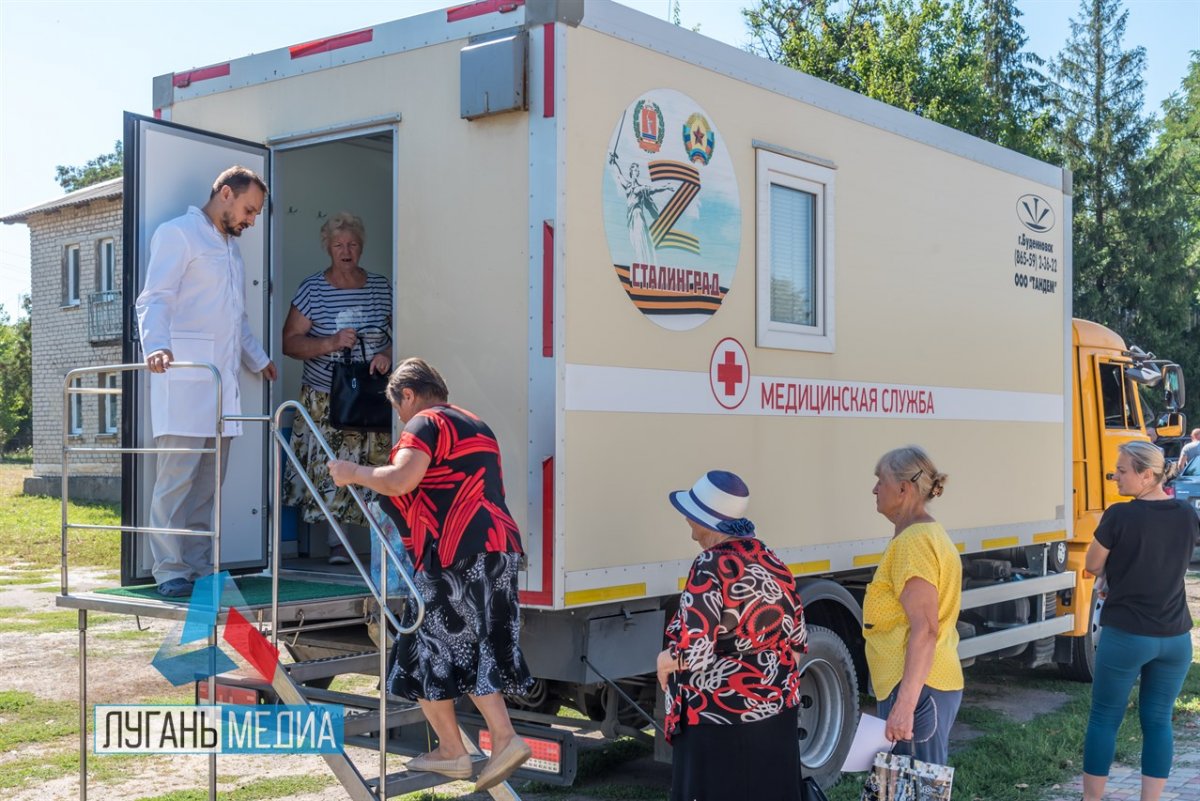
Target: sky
x: 69, y: 69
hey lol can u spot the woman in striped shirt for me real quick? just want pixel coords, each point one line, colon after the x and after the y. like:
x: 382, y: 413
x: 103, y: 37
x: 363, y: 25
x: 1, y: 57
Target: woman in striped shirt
x: 331, y: 312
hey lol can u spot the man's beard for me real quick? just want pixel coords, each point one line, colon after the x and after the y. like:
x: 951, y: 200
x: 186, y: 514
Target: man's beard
x: 228, y: 225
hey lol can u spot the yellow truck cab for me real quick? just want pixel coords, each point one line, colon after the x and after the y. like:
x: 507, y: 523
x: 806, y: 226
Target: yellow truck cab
x: 1107, y: 411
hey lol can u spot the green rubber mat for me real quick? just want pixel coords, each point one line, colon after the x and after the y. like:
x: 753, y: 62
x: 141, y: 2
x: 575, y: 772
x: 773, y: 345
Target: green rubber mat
x: 255, y: 591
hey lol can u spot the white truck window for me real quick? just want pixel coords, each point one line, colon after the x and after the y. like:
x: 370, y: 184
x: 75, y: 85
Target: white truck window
x: 794, y: 220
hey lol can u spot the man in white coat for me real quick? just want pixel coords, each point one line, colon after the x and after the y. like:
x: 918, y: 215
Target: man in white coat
x: 192, y: 309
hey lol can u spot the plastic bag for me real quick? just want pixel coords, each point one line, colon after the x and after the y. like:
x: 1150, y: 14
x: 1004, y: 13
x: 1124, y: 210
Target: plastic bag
x: 894, y: 777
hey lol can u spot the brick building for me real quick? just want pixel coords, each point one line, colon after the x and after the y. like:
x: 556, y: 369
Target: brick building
x: 76, y: 318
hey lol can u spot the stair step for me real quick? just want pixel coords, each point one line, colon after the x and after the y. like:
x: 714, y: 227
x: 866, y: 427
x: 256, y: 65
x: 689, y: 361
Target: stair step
x: 366, y: 662
x: 368, y: 722
x: 410, y: 781
x: 351, y: 700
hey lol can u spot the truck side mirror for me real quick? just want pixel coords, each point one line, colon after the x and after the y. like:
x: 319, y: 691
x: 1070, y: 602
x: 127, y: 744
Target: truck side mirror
x: 1173, y: 386
x: 1175, y: 425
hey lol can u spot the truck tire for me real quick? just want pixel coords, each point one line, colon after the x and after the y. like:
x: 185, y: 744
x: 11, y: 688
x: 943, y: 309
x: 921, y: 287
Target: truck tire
x: 1082, y: 666
x: 828, y: 713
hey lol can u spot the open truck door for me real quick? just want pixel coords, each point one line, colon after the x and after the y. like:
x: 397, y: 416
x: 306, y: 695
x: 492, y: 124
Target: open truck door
x: 168, y: 168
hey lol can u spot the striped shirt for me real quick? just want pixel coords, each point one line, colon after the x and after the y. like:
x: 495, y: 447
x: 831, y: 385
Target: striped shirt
x: 367, y: 310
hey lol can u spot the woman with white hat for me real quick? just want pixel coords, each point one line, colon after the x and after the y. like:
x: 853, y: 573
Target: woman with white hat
x: 729, y: 670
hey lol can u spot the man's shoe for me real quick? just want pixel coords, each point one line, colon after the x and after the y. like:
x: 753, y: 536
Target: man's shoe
x: 338, y: 555
x: 501, y: 765
x: 459, y: 768
x: 175, y: 588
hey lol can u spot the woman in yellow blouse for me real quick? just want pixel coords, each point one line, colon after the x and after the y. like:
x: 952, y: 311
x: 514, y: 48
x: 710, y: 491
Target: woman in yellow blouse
x: 911, y: 609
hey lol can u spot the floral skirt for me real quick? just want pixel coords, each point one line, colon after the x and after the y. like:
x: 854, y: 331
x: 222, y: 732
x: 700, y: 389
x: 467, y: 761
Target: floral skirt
x: 468, y: 640
x: 352, y: 446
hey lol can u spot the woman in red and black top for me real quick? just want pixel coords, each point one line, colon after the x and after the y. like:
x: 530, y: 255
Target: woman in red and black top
x: 729, y: 670
x: 446, y: 494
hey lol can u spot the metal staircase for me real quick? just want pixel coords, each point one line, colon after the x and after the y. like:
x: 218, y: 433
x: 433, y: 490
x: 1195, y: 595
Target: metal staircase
x: 371, y: 722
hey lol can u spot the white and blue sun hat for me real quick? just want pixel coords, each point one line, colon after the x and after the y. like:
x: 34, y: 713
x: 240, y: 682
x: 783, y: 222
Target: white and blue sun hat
x: 717, y: 501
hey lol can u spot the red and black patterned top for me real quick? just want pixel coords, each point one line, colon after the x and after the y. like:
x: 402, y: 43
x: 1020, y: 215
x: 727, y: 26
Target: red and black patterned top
x: 738, y: 625
x: 458, y: 509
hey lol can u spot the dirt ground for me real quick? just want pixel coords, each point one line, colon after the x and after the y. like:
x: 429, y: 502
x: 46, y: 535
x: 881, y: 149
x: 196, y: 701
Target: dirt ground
x: 120, y: 671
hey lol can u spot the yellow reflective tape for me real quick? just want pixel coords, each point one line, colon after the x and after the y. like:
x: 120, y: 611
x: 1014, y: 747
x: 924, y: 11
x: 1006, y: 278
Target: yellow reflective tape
x: 961, y: 546
x: 820, y: 566
x: 1001, y: 542
x: 580, y: 597
x: 1050, y: 536
x: 682, y: 583
x: 867, y: 559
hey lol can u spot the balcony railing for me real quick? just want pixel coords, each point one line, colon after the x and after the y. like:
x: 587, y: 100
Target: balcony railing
x: 105, y: 316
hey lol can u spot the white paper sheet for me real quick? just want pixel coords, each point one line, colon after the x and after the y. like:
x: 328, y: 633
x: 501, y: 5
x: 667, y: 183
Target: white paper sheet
x: 869, y: 740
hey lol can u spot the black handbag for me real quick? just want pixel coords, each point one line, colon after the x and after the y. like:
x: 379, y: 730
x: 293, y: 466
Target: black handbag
x: 356, y: 396
x: 809, y: 789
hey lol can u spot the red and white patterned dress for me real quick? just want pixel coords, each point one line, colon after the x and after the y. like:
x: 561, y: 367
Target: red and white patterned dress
x: 739, y: 625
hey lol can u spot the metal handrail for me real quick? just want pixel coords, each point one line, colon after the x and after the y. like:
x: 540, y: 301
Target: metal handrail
x: 379, y: 594
x: 68, y: 449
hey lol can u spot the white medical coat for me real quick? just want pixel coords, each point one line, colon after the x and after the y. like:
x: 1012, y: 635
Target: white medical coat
x: 193, y: 303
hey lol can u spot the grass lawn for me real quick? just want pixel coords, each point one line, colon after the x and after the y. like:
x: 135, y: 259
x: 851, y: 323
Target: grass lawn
x: 31, y: 528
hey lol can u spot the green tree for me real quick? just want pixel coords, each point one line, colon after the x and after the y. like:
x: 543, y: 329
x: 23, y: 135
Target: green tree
x: 16, y: 377
x: 101, y: 168
x: 1103, y: 139
x: 1017, y: 114
x: 1169, y: 222
x: 958, y: 62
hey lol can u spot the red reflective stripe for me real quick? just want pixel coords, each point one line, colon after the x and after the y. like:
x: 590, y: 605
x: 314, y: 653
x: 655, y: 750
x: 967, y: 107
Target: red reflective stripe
x: 183, y: 79
x: 547, y: 289
x: 331, y: 43
x: 158, y: 113
x: 545, y: 596
x: 482, y: 7
x: 548, y: 70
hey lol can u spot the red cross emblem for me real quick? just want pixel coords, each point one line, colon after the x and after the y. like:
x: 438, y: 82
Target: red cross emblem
x: 729, y: 373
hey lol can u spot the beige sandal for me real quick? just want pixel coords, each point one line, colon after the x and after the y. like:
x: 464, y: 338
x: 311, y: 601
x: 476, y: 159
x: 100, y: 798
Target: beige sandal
x: 458, y: 768
x: 501, y: 765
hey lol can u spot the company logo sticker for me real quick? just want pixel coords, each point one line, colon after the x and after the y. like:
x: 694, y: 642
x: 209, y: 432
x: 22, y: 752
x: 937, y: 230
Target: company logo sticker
x: 729, y: 373
x: 672, y: 216
x: 1035, y: 213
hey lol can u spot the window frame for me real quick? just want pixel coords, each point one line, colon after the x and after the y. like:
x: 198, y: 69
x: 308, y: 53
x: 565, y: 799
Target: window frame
x: 75, y: 410
x: 107, y: 405
x: 776, y: 169
x: 106, y: 269
x: 72, y: 275
x: 1129, y: 407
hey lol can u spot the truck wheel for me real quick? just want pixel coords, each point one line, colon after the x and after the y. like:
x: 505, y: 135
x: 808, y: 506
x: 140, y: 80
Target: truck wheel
x: 828, y: 705
x: 1082, y: 666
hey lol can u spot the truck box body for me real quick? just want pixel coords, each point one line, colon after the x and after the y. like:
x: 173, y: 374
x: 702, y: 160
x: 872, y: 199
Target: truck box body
x: 937, y: 321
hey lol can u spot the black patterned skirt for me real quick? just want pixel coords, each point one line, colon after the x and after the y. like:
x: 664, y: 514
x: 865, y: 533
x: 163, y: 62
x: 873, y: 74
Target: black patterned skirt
x: 468, y: 643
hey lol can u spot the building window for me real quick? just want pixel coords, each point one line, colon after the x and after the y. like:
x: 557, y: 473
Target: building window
x: 795, y: 264
x: 110, y: 410
x: 75, y: 408
x: 71, y: 276
x: 106, y: 263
